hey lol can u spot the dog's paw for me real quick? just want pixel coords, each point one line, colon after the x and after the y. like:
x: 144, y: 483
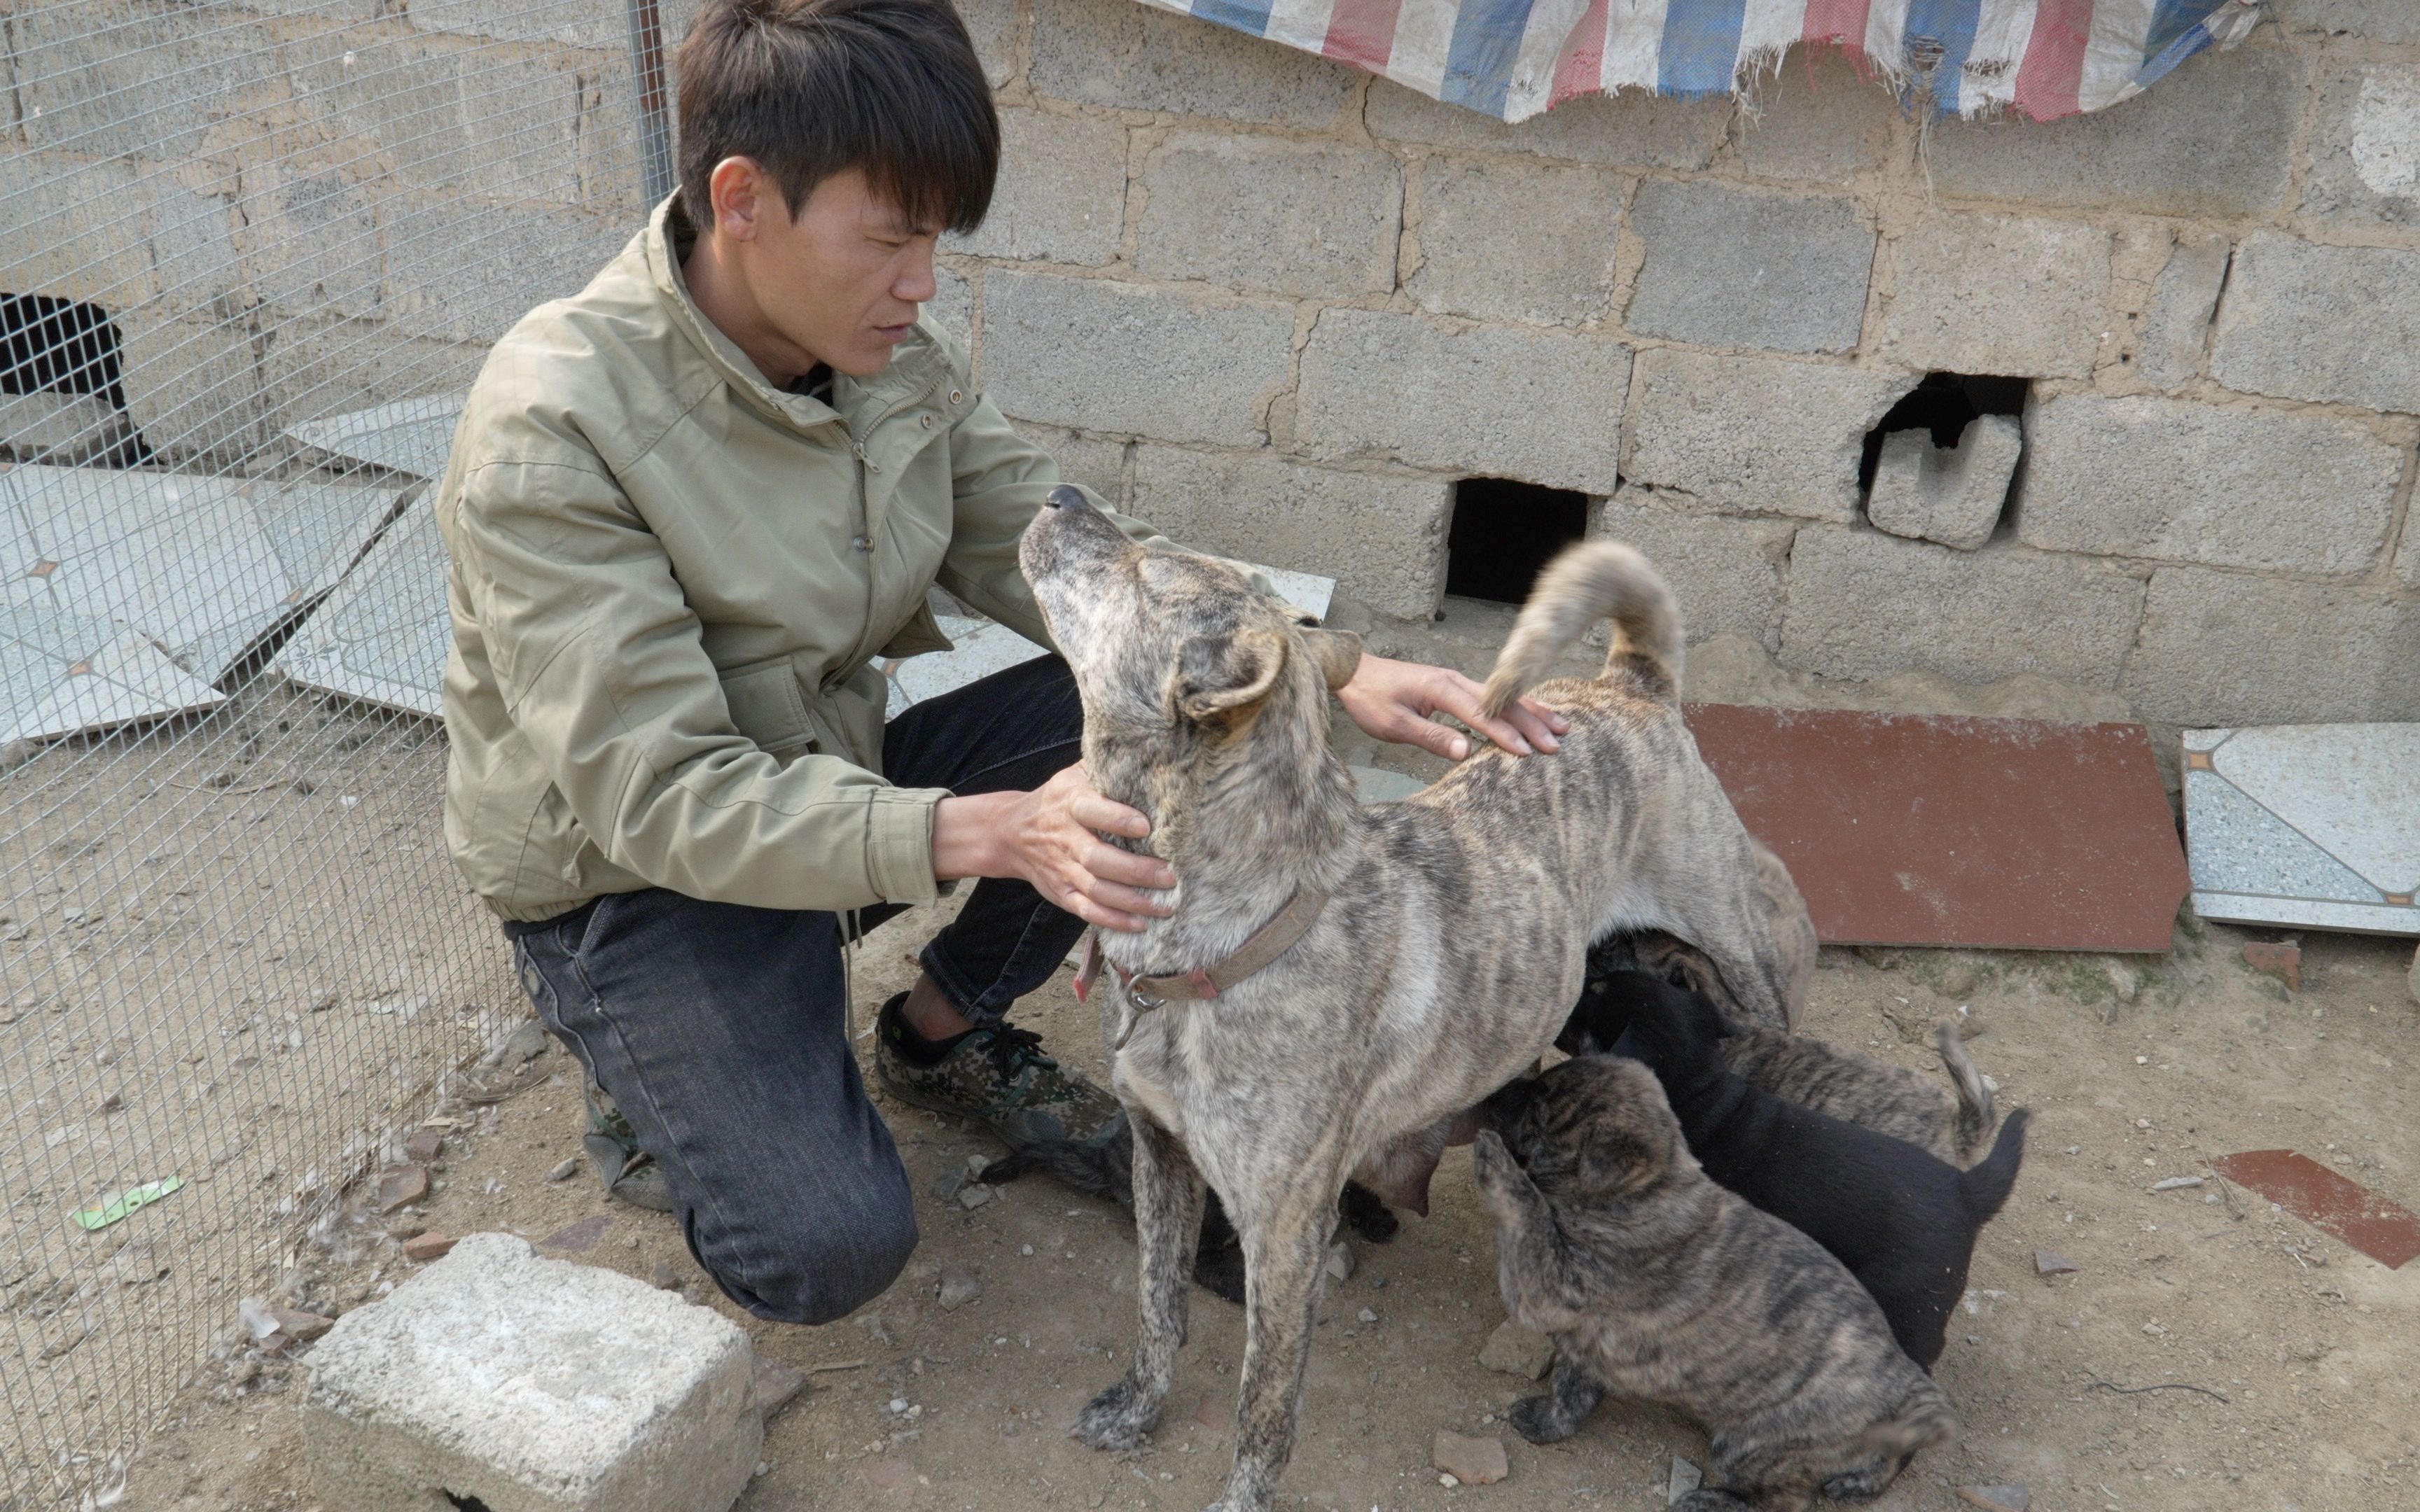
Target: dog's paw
x: 1535, y: 1419
x: 1116, y: 1419
x: 1366, y: 1214
x: 1861, y: 1484
x: 1713, y: 1499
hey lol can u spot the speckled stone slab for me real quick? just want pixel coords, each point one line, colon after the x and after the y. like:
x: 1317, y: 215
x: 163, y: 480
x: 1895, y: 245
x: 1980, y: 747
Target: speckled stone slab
x: 413, y: 436
x: 382, y: 635
x: 2315, y: 825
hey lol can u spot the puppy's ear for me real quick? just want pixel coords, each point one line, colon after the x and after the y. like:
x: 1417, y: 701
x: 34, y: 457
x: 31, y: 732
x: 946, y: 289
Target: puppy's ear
x: 1224, y: 679
x: 1339, y: 654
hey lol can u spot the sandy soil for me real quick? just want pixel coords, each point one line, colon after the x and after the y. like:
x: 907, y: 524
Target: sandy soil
x: 2136, y: 1070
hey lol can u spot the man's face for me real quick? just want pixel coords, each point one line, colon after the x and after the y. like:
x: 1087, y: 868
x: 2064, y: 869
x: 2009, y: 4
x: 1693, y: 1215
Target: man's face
x: 842, y: 281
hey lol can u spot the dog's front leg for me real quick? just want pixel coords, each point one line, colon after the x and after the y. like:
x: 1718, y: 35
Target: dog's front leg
x: 1285, y: 1247
x: 1168, y: 1226
x: 1533, y: 1264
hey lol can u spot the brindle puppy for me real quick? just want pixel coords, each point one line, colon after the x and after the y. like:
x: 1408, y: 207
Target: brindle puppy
x: 1889, y: 1099
x: 1657, y: 1284
x: 1450, y: 946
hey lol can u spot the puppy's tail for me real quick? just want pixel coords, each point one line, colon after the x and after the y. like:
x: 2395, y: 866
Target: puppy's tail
x: 1976, y: 1112
x: 1591, y: 581
x: 1987, y: 1186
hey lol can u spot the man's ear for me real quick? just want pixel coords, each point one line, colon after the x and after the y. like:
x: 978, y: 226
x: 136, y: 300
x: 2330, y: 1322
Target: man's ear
x: 1218, y: 678
x: 1337, y: 652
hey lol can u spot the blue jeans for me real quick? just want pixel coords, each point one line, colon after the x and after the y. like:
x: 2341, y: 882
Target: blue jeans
x: 721, y: 1031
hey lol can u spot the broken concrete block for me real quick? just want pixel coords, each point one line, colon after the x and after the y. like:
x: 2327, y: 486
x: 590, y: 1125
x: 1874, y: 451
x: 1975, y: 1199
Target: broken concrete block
x: 499, y: 1378
x: 1949, y: 494
x: 1471, y: 1461
x: 1517, y: 1351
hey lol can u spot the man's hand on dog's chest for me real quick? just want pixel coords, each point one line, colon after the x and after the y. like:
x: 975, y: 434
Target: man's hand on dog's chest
x: 1392, y: 700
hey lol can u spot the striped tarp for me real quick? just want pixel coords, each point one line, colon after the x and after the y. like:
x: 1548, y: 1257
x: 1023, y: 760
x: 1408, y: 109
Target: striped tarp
x: 1514, y: 58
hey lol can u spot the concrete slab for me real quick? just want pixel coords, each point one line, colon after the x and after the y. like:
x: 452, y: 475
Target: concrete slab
x: 411, y: 436
x: 1917, y: 829
x: 383, y: 634
x: 62, y: 675
x: 2305, y: 825
x: 498, y: 1377
x: 203, y: 565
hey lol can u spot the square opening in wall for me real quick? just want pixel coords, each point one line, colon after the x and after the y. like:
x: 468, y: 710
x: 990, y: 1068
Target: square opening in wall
x: 54, y: 346
x: 1943, y: 464
x: 1943, y: 404
x: 1505, y: 533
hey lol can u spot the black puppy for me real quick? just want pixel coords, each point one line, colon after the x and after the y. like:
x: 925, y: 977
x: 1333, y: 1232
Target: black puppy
x: 1902, y: 1220
x: 1104, y: 1168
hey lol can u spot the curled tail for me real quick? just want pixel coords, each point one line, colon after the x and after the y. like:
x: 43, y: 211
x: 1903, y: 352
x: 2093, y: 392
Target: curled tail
x: 1976, y: 1113
x: 1987, y: 1186
x: 1593, y: 580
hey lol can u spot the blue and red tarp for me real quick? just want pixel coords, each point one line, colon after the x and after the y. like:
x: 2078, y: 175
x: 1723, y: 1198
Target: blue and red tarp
x: 1514, y: 58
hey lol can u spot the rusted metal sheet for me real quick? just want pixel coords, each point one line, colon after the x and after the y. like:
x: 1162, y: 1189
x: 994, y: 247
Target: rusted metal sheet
x: 2387, y: 1232
x: 1921, y: 829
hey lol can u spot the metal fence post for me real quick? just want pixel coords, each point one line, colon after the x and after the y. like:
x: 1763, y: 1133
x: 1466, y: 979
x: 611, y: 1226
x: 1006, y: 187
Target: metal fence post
x: 655, y: 118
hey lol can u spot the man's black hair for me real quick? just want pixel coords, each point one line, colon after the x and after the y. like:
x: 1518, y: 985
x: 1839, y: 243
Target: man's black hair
x: 811, y: 88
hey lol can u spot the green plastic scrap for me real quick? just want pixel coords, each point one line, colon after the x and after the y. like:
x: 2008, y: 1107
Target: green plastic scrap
x: 125, y: 1202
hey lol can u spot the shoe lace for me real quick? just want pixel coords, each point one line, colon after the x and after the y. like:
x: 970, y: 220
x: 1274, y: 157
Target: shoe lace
x: 1015, y: 1051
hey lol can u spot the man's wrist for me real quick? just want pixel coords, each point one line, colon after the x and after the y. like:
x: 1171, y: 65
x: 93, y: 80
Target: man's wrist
x: 966, y: 836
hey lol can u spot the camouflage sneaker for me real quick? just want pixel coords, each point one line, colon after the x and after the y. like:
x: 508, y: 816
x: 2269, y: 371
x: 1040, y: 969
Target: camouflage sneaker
x: 996, y: 1073
x: 628, y: 1172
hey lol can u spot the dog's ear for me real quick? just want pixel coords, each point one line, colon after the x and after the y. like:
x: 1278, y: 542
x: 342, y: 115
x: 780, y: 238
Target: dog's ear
x: 1338, y: 651
x: 1221, y: 678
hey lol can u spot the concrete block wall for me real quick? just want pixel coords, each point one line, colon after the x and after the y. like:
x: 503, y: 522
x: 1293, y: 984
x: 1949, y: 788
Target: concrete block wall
x: 292, y: 208
x: 1281, y: 308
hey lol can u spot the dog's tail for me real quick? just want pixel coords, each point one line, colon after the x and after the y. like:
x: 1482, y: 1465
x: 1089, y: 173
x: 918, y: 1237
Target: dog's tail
x: 1976, y: 1113
x: 1986, y: 1187
x: 1591, y: 581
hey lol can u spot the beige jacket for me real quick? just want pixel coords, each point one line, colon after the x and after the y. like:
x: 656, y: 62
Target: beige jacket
x: 668, y: 582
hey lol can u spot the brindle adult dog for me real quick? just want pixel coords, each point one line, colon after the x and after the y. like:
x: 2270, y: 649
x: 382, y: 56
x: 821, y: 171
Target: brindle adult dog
x: 1448, y: 951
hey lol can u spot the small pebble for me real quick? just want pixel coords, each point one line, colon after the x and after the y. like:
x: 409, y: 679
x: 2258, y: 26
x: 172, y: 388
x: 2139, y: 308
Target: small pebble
x: 2175, y: 1184
x: 973, y: 1197
x: 763, y: 1468
x: 1368, y: 1317
x: 1447, y: 1481
x: 1025, y: 1249
x: 562, y: 1172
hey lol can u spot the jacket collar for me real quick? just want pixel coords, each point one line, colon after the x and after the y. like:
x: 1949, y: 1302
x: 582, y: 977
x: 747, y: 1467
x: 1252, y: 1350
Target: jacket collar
x: 667, y: 237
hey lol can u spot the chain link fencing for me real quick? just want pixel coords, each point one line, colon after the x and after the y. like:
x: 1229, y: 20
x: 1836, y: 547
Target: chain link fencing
x: 250, y: 256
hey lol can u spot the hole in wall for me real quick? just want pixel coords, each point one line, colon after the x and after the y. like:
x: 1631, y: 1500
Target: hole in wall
x: 1504, y: 533
x: 1943, y: 404
x: 467, y: 1503
x: 54, y: 346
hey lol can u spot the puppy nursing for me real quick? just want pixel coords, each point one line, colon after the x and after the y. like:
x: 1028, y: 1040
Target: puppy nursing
x: 1656, y: 1283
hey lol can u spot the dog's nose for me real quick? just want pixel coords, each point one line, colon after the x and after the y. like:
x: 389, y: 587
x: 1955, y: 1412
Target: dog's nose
x: 1063, y: 495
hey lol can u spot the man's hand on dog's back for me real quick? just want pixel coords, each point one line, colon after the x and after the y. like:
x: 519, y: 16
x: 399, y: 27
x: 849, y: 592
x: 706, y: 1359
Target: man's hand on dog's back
x: 1392, y: 700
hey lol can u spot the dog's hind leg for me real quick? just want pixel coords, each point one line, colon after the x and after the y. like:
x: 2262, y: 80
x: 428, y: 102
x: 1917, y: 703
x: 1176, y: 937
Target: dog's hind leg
x: 1566, y: 1404
x: 1168, y: 1226
x: 1285, y: 1249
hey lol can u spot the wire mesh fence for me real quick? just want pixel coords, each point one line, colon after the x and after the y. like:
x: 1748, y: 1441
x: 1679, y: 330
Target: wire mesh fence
x: 250, y: 256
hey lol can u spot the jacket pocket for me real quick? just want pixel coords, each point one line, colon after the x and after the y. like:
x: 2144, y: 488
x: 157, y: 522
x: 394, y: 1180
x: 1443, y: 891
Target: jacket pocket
x: 768, y: 707
x: 922, y: 633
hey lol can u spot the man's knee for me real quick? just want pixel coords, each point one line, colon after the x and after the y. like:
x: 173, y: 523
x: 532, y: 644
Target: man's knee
x: 813, y: 1271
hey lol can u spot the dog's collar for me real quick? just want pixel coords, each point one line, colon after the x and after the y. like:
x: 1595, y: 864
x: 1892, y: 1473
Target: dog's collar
x: 1144, y: 994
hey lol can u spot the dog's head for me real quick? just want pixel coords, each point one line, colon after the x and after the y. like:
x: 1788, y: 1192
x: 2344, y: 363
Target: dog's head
x: 1672, y: 1028
x: 1592, y: 1130
x: 1186, y: 671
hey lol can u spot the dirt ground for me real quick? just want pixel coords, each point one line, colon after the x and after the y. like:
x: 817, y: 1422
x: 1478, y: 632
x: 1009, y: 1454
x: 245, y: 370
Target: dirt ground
x: 2138, y: 1069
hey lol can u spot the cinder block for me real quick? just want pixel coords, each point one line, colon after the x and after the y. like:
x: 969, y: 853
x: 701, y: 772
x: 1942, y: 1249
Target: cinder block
x: 1815, y: 121
x: 1117, y: 53
x: 459, y: 269
x: 2379, y: 21
x: 2176, y: 335
x: 122, y: 77
x: 309, y: 238
x: 1381, y: 535
x: 1098, y: 355
x: 1732, y: 269
x: 1096, y: 462
x: 1632, y: 128
x: 193, y: 384
x: 2183, y: 482
x: 315, y: 368
x: 2365, y: 152
x: 533, y: 1385
x: 1558, y: 268
x: 1758, y: 435
x: 1866, y: 604
x: 2214, y: 138
x: 1062, y: 191
x: 992, y: 25
x: 63, y: 429
x: 1949, y: 494
x: 566, y: 23
x: 2223, y: 648
x: 1493, y: 401
x: 952, y: 303
x: 67, y: 231
x: 498, y: 121
x: 1998, y: 294
x: 1725, y: 573
x: 1269, y: 213
x: 2310, y: 322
